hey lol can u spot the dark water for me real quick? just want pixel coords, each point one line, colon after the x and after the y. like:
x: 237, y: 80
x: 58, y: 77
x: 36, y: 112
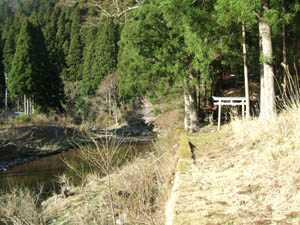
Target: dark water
x: 45, y: 171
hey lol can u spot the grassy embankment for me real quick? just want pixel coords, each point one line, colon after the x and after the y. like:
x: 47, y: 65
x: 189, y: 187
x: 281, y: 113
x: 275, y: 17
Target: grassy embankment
x: 134, y: 193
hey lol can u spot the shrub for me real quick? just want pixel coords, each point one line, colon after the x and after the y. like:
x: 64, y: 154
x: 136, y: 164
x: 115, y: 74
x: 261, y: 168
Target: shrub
x: 22, y: 118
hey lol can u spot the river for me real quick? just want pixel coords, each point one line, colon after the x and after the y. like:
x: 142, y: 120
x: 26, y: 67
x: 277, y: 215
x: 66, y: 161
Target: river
x: 44, y: 171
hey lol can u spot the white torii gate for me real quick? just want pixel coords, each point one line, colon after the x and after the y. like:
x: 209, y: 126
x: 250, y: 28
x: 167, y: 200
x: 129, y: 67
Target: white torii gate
x: 232, y: 101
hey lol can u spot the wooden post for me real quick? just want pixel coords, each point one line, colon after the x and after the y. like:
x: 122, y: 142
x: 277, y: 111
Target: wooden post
x: 219, y: 114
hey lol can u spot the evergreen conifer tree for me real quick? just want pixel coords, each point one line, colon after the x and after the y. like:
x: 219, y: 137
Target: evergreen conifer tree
x: 21, y: 74
x: 47, y: 94
x: 148, y: 61
x: 62, y: 39
x: 74, y: 58
x: 31, y: 74
x: 8, y: 50
x: 101, y: 58
x: 89, y: 59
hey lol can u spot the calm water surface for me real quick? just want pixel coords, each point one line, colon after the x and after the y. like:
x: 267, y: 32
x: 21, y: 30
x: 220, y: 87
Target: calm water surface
x: 43, y: 171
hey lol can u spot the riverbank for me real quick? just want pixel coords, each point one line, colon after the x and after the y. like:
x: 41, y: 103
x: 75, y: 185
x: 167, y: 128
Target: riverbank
x: 22, y: 144
x: 133, y: 193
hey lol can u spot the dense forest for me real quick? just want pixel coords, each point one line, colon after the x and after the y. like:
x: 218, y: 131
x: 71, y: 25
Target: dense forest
x: 68, y: 56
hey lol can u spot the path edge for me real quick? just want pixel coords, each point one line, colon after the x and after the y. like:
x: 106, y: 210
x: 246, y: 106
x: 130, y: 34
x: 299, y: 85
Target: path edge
x: 184, y: 155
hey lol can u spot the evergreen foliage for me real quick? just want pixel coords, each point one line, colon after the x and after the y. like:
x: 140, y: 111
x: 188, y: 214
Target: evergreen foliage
x: 21, y: 76
x: 8, y: 50
x: 31, y: 74
x: 101, y: 56
x: 89, y: 57
x: 28, y: 7
x: 62, y: 40
x: 149, y: 55
x: 163, y: 47
x: 5, y: 11
x: 74, y: 58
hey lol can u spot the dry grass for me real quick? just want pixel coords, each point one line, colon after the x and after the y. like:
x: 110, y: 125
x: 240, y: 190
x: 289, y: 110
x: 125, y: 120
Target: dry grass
x: 247, y: 174
x: 170, y: 120
x: 138, y: 192
x: 20, y: 207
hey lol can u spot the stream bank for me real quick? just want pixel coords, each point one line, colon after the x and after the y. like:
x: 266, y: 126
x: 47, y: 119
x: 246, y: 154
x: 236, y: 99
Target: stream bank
x: 20, y: 145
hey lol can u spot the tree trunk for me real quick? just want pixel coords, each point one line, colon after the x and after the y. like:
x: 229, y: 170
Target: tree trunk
x: 262, y: 85
x: 246, y: 71
x: 284, y: 50
x: 191, y: 122
x: 25, y: 106
x: 32, y: 106
x: 268, y: 109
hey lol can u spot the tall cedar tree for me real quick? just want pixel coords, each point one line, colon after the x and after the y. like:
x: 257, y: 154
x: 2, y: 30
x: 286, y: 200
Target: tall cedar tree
x: 21, y: 76
x: 9, y: 46
x: 193, y: 20
x: 31, y: 74
x: 89, y: 59
x: 48, y: 94
x: 233, y: 16
x: 50, y: 30
x: 101, y: 57
x: 74, y: 58
x: 63, y: 37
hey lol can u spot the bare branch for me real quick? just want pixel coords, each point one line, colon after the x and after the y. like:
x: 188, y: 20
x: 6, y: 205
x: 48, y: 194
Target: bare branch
x: 117, y: 5
x: 117, y: 9
x: 119, y: 13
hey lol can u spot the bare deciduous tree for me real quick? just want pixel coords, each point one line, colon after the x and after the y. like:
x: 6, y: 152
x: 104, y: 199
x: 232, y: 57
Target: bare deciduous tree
x: 118, y: 9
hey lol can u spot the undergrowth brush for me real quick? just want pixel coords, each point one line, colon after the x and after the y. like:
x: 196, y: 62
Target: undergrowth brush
x: 20, y: 207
